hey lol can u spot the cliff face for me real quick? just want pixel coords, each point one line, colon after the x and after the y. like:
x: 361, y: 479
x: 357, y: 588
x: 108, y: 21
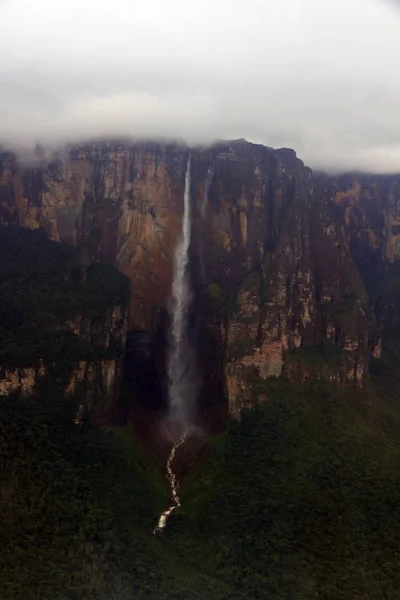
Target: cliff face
x: 295, y: 303
x: 368, y: 206
x: 280, y: 259
x: 61, y: 323
x: 368, y: 209
x: 99, y: 378
x: 119, y: 205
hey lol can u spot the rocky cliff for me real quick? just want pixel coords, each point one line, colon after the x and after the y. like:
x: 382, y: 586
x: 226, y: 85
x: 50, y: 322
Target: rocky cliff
x: 367, y: 208
x: 61, y: 322
x: 283, y: 261
x: 117, y: 204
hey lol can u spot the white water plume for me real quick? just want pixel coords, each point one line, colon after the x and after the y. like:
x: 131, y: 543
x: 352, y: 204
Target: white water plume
x: 180, y: 360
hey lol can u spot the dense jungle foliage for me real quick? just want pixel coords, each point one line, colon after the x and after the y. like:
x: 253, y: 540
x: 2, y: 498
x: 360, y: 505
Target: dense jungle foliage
x: 42, y: 289
x: 298, y: 500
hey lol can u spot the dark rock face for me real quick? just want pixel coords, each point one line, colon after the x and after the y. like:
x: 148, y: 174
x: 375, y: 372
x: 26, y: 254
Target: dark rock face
x: 283, y: 263
x: 368, y: 209
x: 63, y: 326
x: 280, y: 262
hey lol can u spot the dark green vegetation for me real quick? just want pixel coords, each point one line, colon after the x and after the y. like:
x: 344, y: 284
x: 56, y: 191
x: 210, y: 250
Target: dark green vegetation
x: 76, y: 505
x: 78, y: 509
x: 223, y: 302
x: 302, y: 500
x: 325, y: 353
x: 42, y: 289
x: 299, y: 500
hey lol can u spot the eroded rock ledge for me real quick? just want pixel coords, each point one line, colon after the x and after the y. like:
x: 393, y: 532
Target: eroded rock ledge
x: 285, y: 264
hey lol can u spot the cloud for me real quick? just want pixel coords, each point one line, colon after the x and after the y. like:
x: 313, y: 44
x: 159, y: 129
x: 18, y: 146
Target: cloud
x: 320, y: 76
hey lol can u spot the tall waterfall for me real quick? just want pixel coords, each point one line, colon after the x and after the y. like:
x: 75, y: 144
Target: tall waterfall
x: 180, y: 359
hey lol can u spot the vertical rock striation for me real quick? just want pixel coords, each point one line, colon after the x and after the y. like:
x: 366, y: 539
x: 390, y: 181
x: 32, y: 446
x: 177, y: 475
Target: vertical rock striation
x: 286, y: 264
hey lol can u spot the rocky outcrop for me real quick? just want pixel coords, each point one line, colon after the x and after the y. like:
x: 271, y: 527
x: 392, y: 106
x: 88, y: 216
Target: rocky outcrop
x: 98, y: 379
x: 367, y: 209
x: 63, y: 325
x: 283, y: 262
x: 295, y: 303
x: 118, y: 204
x: 13, y: 379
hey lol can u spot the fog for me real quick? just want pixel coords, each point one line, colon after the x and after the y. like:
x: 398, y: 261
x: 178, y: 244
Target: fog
x: 319, y: 76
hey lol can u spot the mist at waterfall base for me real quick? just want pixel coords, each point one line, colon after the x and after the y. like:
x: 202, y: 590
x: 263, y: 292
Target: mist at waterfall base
x: 183, y: 379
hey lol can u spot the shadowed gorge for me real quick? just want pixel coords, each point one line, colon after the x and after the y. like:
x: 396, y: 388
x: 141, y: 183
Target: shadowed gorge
x: 236, y: 294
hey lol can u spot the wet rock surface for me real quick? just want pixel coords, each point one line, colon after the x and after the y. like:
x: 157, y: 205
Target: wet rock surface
x: 285, y: 264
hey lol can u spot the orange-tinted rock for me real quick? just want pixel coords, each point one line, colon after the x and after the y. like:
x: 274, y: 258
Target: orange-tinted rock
x: 290, y: 253
x: 121, y: 205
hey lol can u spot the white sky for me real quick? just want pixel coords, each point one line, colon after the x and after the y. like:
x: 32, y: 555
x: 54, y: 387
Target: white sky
x: 319, y: 76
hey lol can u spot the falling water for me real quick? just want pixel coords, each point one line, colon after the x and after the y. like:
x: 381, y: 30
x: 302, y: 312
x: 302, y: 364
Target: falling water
x: 174, y: 483
x: 180, y: 360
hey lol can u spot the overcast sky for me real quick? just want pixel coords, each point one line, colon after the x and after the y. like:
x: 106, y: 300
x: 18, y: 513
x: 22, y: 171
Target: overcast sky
x: 319, y: 76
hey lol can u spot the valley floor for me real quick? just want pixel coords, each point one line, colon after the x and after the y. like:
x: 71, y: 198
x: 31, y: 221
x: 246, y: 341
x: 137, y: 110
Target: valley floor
x: 300, y: 499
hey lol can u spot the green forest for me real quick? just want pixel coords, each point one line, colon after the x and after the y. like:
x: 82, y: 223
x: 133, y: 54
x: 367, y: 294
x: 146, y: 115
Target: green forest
x: 43, y: 287
x: 300, y: 499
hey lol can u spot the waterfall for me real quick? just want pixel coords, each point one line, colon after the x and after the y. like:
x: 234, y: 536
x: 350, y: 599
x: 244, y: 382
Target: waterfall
x: 174, y: 484
x: 180, y: 359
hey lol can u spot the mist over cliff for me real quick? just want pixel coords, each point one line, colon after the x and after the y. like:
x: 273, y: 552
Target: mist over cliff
x: 320, y: 77
x: 199, y: 300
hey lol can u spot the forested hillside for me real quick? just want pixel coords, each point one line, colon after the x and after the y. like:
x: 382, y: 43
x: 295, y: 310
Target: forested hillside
x: 298, y: 499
